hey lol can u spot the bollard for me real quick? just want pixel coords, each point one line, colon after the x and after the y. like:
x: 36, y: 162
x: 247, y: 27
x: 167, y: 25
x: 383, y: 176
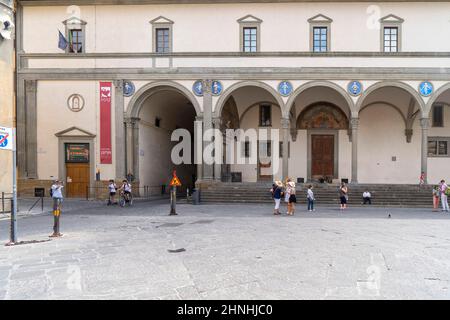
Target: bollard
x: 87, y: 192
x: 173, y: 201
x: 3, y: 202
x: 42, y: 204
x: 13, y: 233
x: 56, y: 216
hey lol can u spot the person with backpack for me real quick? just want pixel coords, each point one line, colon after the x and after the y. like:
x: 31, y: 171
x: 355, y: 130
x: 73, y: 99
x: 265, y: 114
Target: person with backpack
x: 276, y: 194
x: 444, y: 192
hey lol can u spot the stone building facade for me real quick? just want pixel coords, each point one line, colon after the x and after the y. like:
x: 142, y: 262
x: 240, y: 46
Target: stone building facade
x: 359, y: 90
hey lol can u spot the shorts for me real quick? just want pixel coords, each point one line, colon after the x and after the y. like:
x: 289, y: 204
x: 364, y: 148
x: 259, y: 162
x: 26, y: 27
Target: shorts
x: 292, y: 199
x: 112, y: 194
x: 127, y: 192
x: 343, y: 200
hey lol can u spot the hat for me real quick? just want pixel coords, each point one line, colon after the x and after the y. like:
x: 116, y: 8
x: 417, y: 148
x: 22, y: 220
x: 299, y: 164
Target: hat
x: 279, y: 183
x: 291, y: 184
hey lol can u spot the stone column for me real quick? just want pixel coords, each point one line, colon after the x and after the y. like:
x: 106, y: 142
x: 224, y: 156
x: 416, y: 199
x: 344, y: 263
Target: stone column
x: 31, y: 127
x: 207, y: 124
x: 198, y: 147
x: 217, y: 166
x: 285, y: 127
x: 136, y: 148
x: 120, y: 153
x: 424, y: 124
x: 132, y: 146
x: 354, y: 124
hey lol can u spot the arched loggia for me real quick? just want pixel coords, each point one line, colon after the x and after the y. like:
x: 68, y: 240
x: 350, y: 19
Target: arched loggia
x: 154, y: 112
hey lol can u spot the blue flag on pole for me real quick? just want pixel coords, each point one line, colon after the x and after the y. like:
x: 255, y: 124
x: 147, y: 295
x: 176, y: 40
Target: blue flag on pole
x: 62, y: 43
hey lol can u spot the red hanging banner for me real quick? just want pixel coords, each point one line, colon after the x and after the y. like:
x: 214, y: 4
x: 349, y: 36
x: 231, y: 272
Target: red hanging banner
x: 105, y: 123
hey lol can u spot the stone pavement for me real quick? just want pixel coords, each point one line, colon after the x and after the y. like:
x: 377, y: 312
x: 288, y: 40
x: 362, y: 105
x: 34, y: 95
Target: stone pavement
x: 230, y: 252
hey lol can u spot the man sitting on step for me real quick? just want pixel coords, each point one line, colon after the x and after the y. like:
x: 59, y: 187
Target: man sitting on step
x: 367, y: 197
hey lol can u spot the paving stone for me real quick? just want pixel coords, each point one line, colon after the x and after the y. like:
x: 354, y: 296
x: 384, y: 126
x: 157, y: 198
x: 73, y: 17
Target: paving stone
x: 232, y: 252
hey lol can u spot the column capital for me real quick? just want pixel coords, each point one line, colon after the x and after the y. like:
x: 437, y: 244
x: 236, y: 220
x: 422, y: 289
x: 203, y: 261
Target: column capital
x: 425, y: 123
x: 199, y: 118
x: 118, y: 84
x: 354, y: 123
x: 285, y: 123
x: 217, y: 122
x: 30, y: 85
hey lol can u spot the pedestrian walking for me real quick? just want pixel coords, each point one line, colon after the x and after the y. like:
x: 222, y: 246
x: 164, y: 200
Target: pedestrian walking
x: 443, y: 192
x: 57, y: 201
x: 292, y: 198
x: 310, y: 198
x: 436, y: 198
x: 343, y: 195
x: 276, y: 194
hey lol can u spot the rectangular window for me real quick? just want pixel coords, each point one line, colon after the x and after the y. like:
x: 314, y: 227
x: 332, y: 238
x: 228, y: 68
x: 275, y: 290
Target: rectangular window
x: 438, y: 116
x: 265, y: 115
x: 75, y: 41
x: 320, y: 39
x: 250, y: 39
x: 390, y: 38
x: 438, y: 147
x: 162, y: 40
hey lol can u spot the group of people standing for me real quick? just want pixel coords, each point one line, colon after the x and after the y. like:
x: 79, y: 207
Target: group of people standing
x: 288, y: 192
x: 441, y: 192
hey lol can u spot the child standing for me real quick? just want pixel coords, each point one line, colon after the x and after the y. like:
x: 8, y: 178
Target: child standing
x: 310, y: 197
x: 436, y: 198
x: 422, y: 179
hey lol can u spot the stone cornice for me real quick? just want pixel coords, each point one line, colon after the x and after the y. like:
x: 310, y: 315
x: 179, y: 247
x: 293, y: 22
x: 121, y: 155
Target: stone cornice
x: 266, y: 54
x: 305, y: 73
x: 159, y: 2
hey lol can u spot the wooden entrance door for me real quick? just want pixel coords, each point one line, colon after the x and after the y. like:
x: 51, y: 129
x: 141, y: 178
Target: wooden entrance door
x: 77, y: 178
x: 322, y: 156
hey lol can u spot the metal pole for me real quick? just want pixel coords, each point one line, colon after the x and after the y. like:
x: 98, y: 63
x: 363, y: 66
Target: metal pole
x: 173, y: 201
x: 13, y: 238
x: 42, y: 204
x: 3, y: 202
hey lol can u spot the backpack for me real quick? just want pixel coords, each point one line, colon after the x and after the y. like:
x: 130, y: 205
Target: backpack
x: 51, y: 192
x: 447, y: 191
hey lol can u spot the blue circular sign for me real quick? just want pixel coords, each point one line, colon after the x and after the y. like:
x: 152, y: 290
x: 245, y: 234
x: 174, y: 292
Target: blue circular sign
x: 354, y: 88
x: 128, y: 88
x: 285, y: 88
x: 3, y: 141
x: 197, y: 88
x: 216, y: 88
x: 426, y: 88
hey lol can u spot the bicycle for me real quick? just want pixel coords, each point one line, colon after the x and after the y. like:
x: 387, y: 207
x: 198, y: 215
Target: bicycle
x: 125, y: 198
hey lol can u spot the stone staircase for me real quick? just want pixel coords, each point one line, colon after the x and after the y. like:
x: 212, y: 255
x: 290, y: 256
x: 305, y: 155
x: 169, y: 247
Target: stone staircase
x: 326, y: 194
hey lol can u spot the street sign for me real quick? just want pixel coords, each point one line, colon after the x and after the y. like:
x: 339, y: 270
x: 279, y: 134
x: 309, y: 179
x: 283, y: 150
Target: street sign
x: 175, y: 181
x: 6, y: 138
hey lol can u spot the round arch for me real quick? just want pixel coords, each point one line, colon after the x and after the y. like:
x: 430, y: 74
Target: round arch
x: 223, y: 98
x: 385, y: 103
x: 135, y: 104
x: 314, y: 84
x: 434, y: 98
x: 386, y: 84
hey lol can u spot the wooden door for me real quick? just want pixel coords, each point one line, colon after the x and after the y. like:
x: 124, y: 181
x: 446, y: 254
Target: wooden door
x: 77, y: 179
x: 322, y: 155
